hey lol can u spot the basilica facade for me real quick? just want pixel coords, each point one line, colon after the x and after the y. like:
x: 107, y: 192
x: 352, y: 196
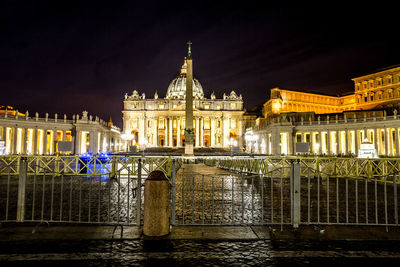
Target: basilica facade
x: 160, y: 122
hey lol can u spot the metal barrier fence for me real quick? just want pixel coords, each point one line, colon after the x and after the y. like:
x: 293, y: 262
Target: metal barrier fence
x: 333, y: 166
x: 293, y: 195
x: 37, y: 189
x: 290, y: 193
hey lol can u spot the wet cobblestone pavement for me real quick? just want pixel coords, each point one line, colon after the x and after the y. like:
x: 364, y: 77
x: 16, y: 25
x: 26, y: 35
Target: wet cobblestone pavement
x: 198, y: 253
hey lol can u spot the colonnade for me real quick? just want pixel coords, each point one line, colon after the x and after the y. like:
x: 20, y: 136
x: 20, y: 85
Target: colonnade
x: 329, y: 142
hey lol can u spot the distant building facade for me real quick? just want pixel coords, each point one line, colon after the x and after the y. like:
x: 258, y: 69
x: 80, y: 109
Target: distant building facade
x: 332, y: 125
x: 160, y: 122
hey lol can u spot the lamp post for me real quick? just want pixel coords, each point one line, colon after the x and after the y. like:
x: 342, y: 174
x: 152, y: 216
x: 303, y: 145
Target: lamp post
x: 250, y: 137
x: 142, y: 144
x: 127, y: 137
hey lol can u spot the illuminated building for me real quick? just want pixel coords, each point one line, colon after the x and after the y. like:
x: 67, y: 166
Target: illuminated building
x: 160, y: 122
x: 333, y: 125
x: 34, y: 135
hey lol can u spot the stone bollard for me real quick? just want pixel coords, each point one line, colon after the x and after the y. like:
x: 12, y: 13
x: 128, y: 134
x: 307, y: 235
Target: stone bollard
x: 156, y: 205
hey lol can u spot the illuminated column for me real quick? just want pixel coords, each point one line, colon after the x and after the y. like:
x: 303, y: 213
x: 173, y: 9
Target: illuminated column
x: 202, y: 131
x: 197, y: 132
x: 346, y: 142
x: 35, y: 140
x: 44, y: 141
x: 24, y: 140
x: 320, y: 144
x: 387, y: 142
x: 337, y: 142
x: 212, y: 132
x: 178, y: 132
x: 355, y: 142
x: 396, y: 141
x: 328, y: 143
x: 15, y: 140
x: 77, y: 139
x: 170, y: 132
x: 155, y: 132
x: 54, y: 141
x: 165, y: 131
x: 240, y: 132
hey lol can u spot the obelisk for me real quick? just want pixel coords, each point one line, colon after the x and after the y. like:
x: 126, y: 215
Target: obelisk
x: 189, y: 131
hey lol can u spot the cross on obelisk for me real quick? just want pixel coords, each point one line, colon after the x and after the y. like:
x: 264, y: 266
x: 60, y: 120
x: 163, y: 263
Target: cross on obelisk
x: 189, y: 131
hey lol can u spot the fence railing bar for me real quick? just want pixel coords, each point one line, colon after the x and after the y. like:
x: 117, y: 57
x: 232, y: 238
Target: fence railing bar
x: 202, y: 198
x: 396, y: 215
x: 183, y: 196
x: 212, y: 199
x: 252, y: 199
x: 347, y: 200
x: 243, y: 207
x: 232, y: 200
x: 327, y: 198
x: 366, y: 200
x: 43, y: 193
x: 193, y: 185
x: 8, y: 192
x: 376, y: 200
x: 281, y: 185
x: 337, y: 200
x: 33, y: 196
x: 61, y: 196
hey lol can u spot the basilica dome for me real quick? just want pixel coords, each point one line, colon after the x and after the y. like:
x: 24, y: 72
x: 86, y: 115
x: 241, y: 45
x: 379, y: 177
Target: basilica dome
x: 177, y: 88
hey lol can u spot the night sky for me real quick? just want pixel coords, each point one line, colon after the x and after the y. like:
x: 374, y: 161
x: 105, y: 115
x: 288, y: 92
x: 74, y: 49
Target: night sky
x: 65, y: 58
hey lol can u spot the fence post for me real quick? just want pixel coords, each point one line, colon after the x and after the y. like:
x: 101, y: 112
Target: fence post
x: 173, y: 191
x: 23, y: 169
x: 295, y: 192
x: 139, y: 194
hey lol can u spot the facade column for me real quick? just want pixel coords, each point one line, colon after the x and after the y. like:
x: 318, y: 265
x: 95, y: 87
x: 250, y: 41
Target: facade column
x: 356, y: 141
x: 155, y: 132
x: 311, y: 142
x: 54, y: 141
x: 337, y: 142
x: 387, y: 142
x: 212, y: 132
x: 328, y: 142
x: 396, y: 141
x: 178, y: 132
x: 77, y: 139
x: 346, y: 142
x: 35, y: 140
x: 240, y: 132
x: 24, y: 140
x: 44, y: 141
x: 202, y: 131
x: 170, y: 128
x: 15, y: 143
x: 320, y: 143
x: 197, y: 132
x: 166, y: 131
x: 376, y: 140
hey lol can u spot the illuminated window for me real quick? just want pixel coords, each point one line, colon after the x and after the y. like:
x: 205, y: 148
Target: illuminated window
x: 161, y: 106
x: 233, y: 105
x: 206, y: 106
x: 218, y: 107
